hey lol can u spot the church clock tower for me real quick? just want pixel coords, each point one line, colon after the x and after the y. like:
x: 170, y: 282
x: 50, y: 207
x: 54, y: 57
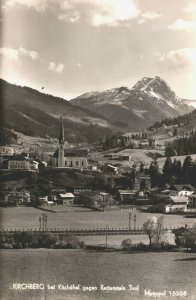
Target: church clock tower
x: 61, y: 147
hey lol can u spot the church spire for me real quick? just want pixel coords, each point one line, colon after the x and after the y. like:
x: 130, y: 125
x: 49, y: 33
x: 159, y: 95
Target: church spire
x: 61, y: 136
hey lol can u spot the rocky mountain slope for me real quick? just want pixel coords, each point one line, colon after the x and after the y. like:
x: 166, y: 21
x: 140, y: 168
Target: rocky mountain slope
x: 149, y: 100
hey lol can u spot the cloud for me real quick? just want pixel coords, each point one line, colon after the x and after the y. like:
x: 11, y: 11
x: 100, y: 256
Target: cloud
x: 39, y: 5
x: 148, y: 16
x: 181, y: 24
x: 102, y: 12
x: 71, y: 17
x: 56, y: 67
x: 181, y: 58
x: 16, y: 54
x: 114, y: 12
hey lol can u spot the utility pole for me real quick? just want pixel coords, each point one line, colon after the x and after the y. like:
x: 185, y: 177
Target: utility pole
x: 129, y: 220
x: 43, y: 221
x: 46, y: 218
x: 43, y: 218
x: 106, y: 237
x: 40, y: 223
x: 135, y: 222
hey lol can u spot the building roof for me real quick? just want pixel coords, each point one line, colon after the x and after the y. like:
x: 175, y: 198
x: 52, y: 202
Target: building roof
x: 165, y: 191
x: 126, y: 192
x: 18, y: 158
x: 72, y: 153
x: 66, y: 195
x: 180, y: 187
x: 103, y: 193
x: 178, y: 199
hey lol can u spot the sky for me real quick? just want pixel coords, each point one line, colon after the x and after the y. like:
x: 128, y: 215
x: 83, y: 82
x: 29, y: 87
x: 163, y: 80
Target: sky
x: 70, y: 47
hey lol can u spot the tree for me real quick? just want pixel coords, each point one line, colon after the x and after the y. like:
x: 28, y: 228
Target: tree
x: 141, y: 168
x: 186, y: 169
x: 126, y: 244
x: 154, y: 173
x: 149, y: 228
x: 175, y: 132
x: 159, y: 233
x: 153, y: 227
x: 167, y: 170
x: 170, y: 151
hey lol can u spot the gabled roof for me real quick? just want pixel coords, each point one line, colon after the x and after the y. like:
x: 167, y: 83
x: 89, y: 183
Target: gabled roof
x: 180, y: 187
x: 72, y: 153
x: 178, y: 199
x: 66, y: 195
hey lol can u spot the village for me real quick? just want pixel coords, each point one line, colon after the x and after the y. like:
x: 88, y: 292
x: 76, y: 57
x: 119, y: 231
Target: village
x: 103, y: 179
x: 111, y: 188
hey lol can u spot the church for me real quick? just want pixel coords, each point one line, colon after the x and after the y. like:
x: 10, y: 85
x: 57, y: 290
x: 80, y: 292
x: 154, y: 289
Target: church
x: 69, y: 158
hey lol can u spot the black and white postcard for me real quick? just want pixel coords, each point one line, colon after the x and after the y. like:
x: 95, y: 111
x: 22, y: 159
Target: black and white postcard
x: 97, y: 149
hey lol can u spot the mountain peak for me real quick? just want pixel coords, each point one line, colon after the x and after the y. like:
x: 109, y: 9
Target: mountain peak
x: 146, y: 83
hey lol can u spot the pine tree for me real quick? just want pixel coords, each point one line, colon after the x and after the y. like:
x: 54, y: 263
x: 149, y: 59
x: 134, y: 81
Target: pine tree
x: 186, y: 169
x: 167, y: 170
x: 154, y: 173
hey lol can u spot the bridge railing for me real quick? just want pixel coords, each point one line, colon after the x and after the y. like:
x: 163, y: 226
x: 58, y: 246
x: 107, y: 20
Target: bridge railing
x: 85, y: 230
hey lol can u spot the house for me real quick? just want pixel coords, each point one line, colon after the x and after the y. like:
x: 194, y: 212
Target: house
x: 20, y: 162
x: 66, y: 198
x: 6, y: 150
x: 178, y: 190
x: 16, y: 198
x: 81, y: 189
x: 177, y: 204
x: 43, y: 199
x: 186, y: 237
x: 181, y: 190
x: 158, y: 194
x: 111, y: 169
x: 102, y: 199
x: 127, y: 196
x: 192, y: 200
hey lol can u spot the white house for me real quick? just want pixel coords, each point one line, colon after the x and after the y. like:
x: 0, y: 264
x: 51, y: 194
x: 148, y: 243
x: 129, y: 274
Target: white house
x: 181, y: 190
x: 67, y: 198
x: 177, y: 204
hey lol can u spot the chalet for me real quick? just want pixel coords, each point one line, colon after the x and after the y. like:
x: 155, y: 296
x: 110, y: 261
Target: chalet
x: 177, y: 204
x: 66, y: 198
x: 178, y: 190
x: 181, y: 190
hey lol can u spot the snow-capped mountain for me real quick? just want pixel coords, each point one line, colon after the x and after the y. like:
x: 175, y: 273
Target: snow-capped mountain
x: 149, y: 100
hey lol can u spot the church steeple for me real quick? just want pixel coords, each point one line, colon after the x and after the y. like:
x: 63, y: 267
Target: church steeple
x: 61, y: 147
x: 61, y: 136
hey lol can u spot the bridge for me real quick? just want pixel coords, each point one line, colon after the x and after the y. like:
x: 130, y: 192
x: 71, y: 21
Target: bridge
x: 86, y: 231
